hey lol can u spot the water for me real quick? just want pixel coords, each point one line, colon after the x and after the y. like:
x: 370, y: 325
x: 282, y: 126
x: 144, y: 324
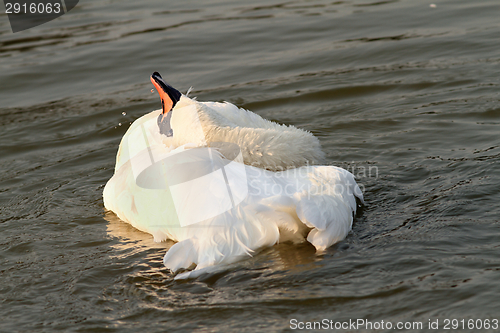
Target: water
x: 404, y: 95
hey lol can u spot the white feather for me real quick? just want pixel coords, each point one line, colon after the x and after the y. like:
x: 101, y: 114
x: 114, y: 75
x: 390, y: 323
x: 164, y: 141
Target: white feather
x: 264, y: 144
x: 152, y: 173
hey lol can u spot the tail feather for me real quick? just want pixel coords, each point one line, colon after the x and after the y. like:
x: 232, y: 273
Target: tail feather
x: 181, y: 255
x: 328, y: 206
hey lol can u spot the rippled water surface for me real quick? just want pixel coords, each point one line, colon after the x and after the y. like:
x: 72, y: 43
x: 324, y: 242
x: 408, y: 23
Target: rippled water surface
x: 403, y: 94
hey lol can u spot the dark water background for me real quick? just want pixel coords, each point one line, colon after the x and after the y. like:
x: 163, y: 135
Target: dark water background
x: 405, y: 95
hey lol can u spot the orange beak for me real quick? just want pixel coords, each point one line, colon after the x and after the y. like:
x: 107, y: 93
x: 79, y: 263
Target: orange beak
x: 169, y: 96
x: 166, y: 102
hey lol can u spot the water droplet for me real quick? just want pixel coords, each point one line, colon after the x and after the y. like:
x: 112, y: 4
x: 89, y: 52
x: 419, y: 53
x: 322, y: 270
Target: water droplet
x: 124, y: 113
x: 432, y: 5
x: 152, y: 91
x: 119, y: 124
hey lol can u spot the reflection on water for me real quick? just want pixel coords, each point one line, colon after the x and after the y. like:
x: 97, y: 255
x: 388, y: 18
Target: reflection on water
x: 410, y: 89
x: 131, y: 238
x: 286, y: 256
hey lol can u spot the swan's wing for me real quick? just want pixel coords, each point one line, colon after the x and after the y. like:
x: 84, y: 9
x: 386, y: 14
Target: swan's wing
x: 196, y: 197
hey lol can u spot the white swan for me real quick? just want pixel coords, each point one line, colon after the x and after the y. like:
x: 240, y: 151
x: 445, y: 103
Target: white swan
x: 204, y: 174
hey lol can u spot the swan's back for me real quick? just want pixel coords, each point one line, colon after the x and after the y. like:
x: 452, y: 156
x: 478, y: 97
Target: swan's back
x: 264, y: 144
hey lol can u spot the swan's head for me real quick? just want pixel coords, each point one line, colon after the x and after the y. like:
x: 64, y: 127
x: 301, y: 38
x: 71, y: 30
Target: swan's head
x: 169, y: 97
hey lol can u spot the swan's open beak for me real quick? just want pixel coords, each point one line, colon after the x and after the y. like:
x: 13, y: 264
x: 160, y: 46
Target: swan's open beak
x: 169, y: 97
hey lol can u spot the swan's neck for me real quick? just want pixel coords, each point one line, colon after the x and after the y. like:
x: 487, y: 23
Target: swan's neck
x: 184, y: 101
